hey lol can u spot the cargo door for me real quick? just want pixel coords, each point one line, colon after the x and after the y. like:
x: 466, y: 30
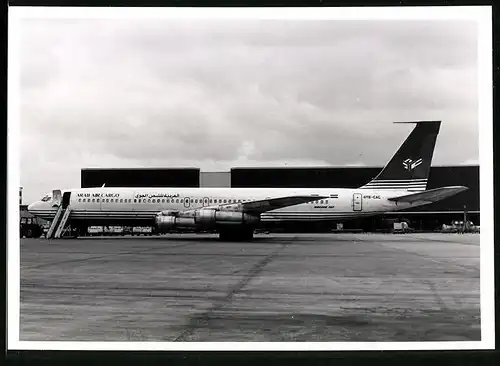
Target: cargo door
x: 357, y: 202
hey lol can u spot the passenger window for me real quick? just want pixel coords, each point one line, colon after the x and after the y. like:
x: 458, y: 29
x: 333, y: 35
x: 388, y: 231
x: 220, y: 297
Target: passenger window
x: 225, y: 201
x: 163, y: 200
x: 135, y: 200
x: 210, y: 200
x: 177, y: 200
x: 79, y: 200
x: 196, y: 201
x: 83, y: 200
x: 98, y: 200
x: 139, y: 200
x: 111, y: 200
x: 93, y: 199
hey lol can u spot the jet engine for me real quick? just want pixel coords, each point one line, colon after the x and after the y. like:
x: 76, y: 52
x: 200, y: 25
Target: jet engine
x: 203, y: 218
x: 211, y: 217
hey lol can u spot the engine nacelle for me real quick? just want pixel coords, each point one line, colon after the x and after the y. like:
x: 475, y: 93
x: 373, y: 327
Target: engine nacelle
x: 212, y: 217
x: 166, y: 223
x: 204, y: 218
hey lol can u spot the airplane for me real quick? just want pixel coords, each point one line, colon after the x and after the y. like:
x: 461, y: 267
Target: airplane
x: 235, y: 213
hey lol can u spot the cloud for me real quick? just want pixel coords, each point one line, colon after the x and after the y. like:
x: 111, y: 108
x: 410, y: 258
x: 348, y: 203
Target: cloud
x: 224, y: 93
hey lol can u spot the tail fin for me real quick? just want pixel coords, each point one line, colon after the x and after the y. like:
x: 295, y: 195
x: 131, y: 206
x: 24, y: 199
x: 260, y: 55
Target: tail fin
x: 409, y: 167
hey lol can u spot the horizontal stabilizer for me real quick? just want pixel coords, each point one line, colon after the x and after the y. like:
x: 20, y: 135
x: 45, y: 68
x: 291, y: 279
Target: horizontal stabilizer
x: 432, y: 195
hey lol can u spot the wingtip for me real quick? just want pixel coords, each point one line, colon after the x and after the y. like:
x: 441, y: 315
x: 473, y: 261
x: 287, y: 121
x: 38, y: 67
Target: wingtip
x: 460, y: 188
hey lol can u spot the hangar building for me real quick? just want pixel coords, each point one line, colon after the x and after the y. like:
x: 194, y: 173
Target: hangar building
x: 427, y: 217
x: 140, y: 177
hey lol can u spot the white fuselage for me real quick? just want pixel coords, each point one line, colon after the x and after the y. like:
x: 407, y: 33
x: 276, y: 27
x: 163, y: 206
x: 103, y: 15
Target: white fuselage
x: 115, y: 206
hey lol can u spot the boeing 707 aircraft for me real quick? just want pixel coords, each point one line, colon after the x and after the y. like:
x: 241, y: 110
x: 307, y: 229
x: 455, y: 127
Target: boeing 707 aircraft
x: 235, y: 212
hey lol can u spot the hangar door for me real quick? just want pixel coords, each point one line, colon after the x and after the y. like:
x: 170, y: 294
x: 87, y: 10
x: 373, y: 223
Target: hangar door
x: 357, y: 202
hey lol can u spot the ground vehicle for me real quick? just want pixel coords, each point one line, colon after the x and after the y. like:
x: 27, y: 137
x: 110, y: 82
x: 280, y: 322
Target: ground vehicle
x: 459, y: 227
x: 30, y: 228
x: 142, y: 230
x: 401, y: 227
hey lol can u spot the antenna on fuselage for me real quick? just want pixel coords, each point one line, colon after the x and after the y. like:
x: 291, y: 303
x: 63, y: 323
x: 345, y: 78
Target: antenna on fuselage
x: 103, y: 185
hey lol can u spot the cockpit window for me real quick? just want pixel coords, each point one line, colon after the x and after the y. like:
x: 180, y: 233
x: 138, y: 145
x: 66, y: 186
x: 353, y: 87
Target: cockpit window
x: 46, y: 198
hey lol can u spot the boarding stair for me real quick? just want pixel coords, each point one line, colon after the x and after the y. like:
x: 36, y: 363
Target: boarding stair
x: 55, y: 222
x: 59, y: 222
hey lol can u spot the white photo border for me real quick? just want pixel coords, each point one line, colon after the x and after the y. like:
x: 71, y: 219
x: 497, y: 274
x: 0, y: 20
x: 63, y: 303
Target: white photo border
x: 481, y: 14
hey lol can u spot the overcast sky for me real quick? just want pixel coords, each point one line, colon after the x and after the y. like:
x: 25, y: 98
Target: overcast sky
x: 217, y: 94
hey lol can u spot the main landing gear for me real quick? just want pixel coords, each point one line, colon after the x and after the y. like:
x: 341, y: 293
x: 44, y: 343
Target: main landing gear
x: 236, y: 234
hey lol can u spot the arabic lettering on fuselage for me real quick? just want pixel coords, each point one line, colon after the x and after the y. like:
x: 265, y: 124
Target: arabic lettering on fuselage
x: 156, y: 195
x: 138, y: 195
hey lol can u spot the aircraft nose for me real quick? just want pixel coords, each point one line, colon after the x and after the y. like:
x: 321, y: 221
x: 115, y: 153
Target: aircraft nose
x: 32, y: 207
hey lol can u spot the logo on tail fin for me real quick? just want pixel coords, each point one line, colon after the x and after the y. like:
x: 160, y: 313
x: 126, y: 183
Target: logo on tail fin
x: 410, y: 164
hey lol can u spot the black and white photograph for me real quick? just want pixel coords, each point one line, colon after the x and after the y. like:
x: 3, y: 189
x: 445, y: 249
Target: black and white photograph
x: 250, y: 179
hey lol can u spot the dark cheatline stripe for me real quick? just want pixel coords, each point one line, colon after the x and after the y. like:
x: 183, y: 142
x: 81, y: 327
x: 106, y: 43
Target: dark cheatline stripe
x: 306, y: 216
x: 99, y: 213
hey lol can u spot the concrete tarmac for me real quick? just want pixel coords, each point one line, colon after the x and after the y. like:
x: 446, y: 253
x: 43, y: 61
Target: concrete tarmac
x: 280, y: 287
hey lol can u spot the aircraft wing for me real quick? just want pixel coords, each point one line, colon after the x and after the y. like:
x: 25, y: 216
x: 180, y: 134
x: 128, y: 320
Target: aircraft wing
x: 269, y: 204
x: 261, y: 206
x: 432, y: 195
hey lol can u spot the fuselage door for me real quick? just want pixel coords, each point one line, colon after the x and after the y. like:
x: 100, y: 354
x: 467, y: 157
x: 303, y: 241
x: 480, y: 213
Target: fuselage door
x: 56, y: 197
x: 66, y: 199
x: 357, y: 202
x: 205, y: 201
x: 187, y: 202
